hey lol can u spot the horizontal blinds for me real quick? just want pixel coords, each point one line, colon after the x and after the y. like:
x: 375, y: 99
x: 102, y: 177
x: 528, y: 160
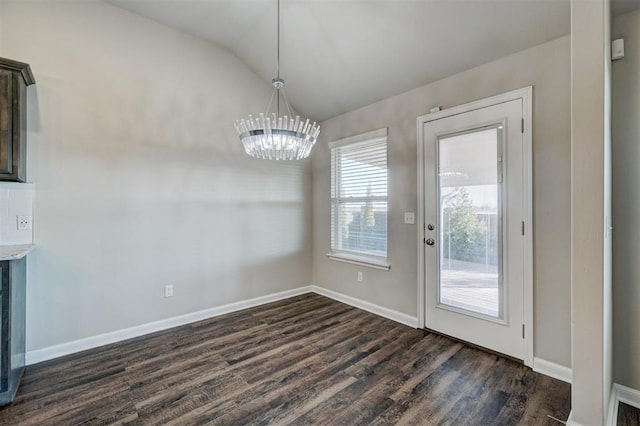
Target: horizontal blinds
x: 359, y: 197
x: 359, y: 170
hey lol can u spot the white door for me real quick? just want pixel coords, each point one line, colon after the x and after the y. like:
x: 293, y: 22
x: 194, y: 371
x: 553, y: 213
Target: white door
x: 474, y: 213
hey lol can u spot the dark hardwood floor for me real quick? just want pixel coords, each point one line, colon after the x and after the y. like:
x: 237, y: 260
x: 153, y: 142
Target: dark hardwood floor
x: 304, y: 360
x: 628, y: 415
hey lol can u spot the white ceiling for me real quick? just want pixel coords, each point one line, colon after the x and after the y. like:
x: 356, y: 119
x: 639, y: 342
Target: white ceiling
x: 338, y: 55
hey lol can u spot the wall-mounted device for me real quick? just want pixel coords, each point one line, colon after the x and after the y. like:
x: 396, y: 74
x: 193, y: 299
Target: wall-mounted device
x: 617, y: 49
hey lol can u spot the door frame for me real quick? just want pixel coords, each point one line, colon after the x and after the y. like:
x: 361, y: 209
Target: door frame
x: 526, y: 94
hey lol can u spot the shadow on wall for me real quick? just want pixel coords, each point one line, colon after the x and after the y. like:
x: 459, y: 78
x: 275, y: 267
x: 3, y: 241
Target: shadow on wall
x: 119, y: 215
x: 77, y: 286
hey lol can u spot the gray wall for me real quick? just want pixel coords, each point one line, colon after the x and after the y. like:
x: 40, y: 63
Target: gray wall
x: 547, y: 67
x: 140, y: 178
x: 626, y: 202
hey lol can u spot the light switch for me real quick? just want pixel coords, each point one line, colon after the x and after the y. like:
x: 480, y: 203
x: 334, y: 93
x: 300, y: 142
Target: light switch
x: 409, y: 218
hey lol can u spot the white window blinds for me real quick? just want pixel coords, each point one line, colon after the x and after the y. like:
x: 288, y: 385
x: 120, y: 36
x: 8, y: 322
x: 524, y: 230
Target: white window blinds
x: 359, y: 195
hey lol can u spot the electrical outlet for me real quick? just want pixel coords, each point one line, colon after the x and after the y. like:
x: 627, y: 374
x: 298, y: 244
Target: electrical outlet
x: 168, y: 291
x: 24, y: 223
x: 360, y: 276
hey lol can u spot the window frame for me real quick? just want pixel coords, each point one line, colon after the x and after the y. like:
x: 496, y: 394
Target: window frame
x: 350, y: 256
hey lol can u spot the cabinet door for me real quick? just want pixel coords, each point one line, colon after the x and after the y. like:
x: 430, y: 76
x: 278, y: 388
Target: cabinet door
x: 4, y: 326
x: 6, y: 122
x: 17, y: 308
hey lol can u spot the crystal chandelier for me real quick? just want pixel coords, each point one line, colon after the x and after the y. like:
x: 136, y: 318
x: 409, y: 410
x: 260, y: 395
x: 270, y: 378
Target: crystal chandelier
x: 273, y: 137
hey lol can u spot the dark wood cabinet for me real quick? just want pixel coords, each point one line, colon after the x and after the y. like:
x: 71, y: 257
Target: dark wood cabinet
x: 14, y: 79
x: 13, y: 274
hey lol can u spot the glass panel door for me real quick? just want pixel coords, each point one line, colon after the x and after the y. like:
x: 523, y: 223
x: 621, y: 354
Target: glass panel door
x: 469, y: 176
x: 474, y: 248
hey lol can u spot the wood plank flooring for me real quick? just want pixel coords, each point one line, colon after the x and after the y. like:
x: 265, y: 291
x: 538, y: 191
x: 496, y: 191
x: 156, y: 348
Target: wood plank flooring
x: 628, y: 415
x: 304, y: 360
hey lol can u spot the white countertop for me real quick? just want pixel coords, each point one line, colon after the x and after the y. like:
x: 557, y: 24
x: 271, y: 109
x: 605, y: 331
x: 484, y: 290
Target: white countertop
x: 15, y: 252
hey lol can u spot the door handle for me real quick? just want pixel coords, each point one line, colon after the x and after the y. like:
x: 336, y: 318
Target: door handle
x: 430, y: 241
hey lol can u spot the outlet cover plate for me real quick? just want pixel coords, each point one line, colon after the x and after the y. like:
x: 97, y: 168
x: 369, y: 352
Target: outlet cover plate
x: 24, y: 223
x: 168, y: 291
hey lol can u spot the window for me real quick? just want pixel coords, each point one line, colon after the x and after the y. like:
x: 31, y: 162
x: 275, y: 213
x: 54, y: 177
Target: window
x: 359, y: 199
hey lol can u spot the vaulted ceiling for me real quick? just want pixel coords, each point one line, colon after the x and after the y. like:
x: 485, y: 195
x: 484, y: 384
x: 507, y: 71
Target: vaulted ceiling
x: 338, y: 55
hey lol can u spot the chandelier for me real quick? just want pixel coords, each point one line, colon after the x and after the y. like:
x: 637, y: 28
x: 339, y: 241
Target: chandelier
x: 274, y: 137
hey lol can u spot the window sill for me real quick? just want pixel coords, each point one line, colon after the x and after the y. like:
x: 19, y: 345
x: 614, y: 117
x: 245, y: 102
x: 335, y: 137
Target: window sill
x: 370, y: 262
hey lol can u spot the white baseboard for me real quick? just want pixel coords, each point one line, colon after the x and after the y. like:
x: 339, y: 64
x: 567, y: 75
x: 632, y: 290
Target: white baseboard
x: 627, y: 395
x: 51, y: 352
x: 620, y: 394
x: 570, y: 421
x: 367, y: 306
x: 552, y: 369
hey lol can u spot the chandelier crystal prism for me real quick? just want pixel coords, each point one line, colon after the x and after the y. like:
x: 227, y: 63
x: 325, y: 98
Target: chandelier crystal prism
x: 273, y: 137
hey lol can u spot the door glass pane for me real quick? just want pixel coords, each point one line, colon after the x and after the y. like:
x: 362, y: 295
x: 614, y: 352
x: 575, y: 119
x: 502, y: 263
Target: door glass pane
x: 469, y: 222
